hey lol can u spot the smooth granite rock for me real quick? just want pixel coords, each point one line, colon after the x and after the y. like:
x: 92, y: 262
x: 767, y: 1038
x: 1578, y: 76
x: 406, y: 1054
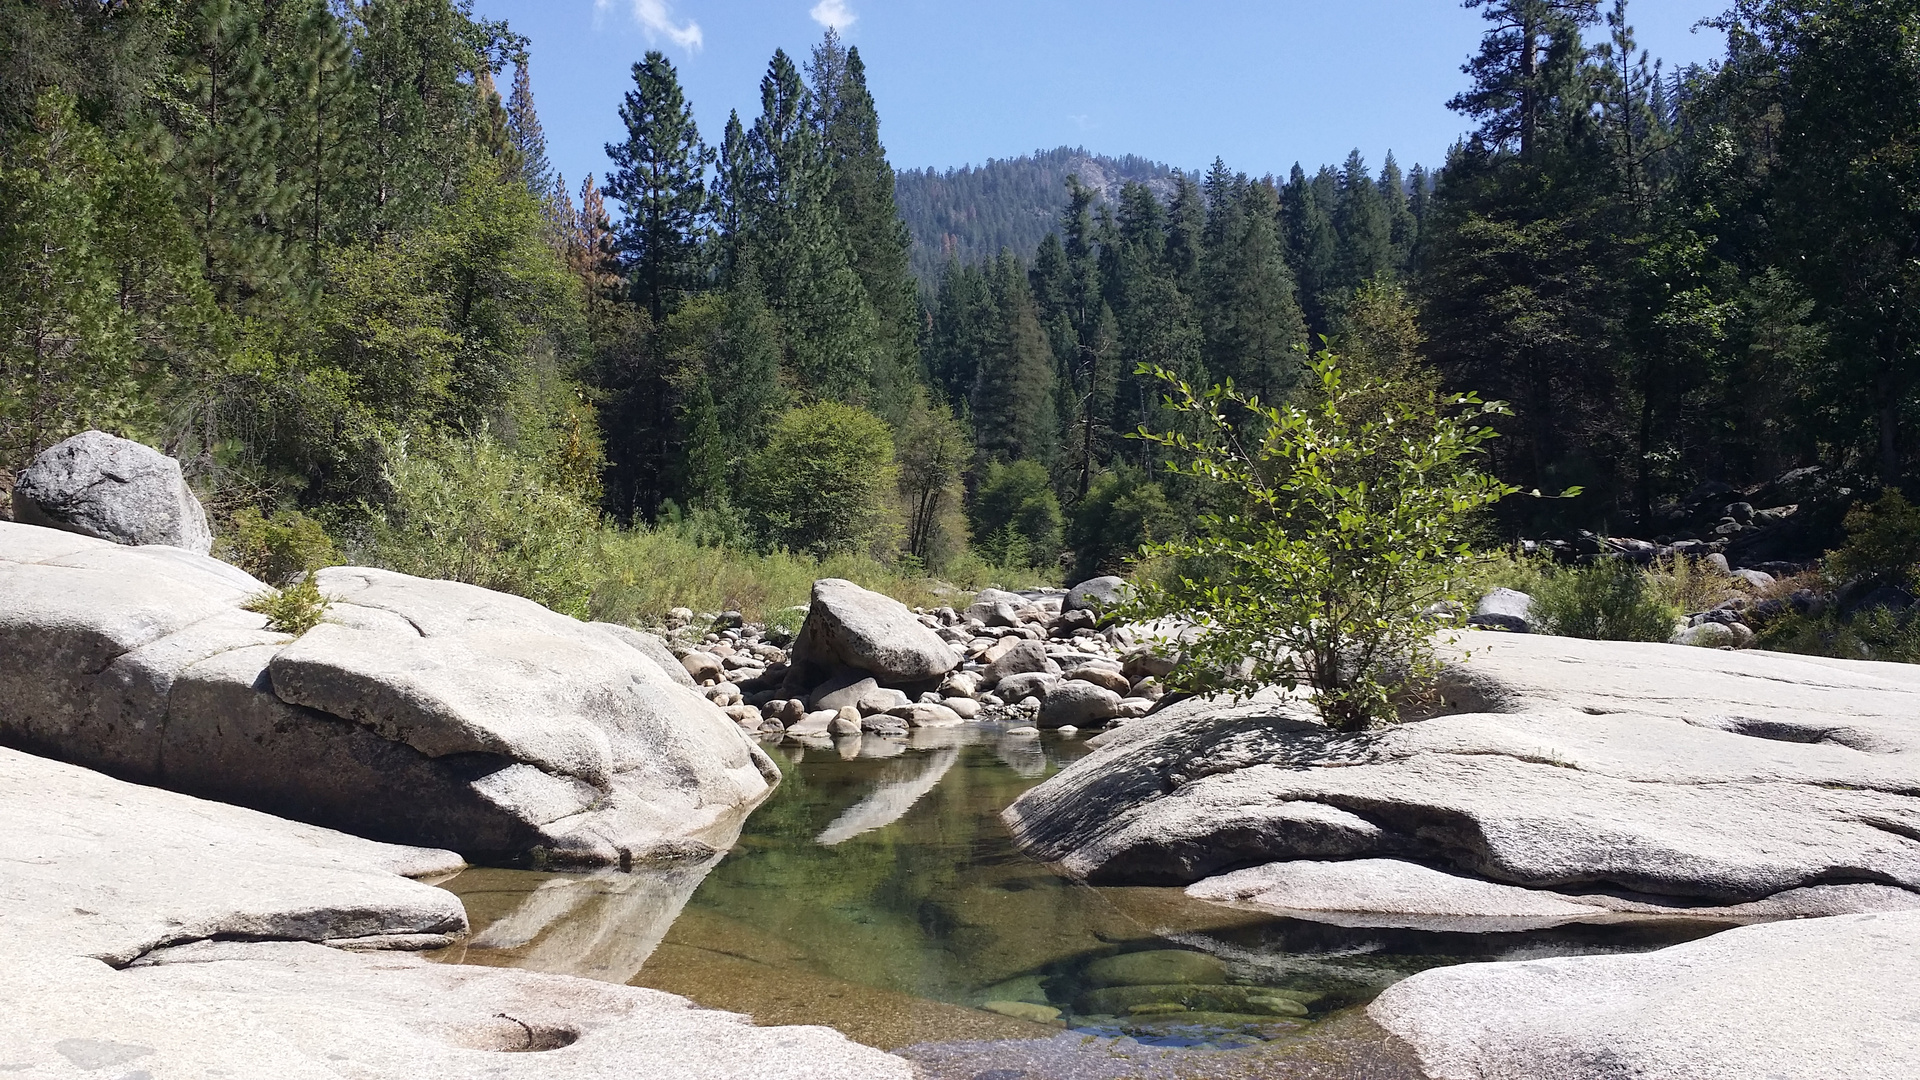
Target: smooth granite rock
x: 1811, y: 999
x: 848, y: 626
x: 120, y: 907
x: 423, y: 712
x: 1020, y: 658
x: 100, y: 485
x: 1670, y: 775
x: 1096, y: 594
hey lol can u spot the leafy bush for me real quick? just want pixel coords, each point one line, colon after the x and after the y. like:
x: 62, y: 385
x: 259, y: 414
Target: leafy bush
x: 1883, y: 543
x: 476, y: 512
x: 277, y: 547
x: 1337, y: 532
x: 1124, y: 510
x: 1610, y: 600
x: 294, y: 610
x: 824, y: 482
x: 1015, y: 516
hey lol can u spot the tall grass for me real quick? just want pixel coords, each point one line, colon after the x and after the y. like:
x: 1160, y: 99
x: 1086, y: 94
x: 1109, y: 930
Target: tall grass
x: 641, y: 574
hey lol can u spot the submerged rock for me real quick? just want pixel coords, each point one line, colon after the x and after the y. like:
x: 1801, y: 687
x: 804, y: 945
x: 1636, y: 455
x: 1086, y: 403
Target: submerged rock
x: 1157, y: 967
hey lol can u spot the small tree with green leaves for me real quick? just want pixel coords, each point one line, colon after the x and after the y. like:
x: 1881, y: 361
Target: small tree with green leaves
x: 1333, y: 532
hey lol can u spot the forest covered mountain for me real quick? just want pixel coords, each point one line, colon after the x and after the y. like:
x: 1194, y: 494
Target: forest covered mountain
x: 974, y: 212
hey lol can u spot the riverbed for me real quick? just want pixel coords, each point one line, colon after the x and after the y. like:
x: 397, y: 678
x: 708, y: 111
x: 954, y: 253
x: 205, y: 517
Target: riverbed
x: 877, y: 892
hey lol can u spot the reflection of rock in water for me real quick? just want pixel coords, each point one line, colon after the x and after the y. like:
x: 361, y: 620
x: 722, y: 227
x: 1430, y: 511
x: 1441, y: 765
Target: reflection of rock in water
x: 1022, y: 754
x: 899, y: 789
x: 600, y: 926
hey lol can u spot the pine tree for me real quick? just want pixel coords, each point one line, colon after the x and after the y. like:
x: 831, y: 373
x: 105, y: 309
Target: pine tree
x: 1013, y: 412
x: 659, y: 179
x: 530, y: 142
x: 1365, y: 228
x: 229, y: 143
x: 1403, y: 227
x: 831, y: 334
x: 861, y: 196
x: 1250, y: 317
x: 1523, y: 71
x: 1313, y: 244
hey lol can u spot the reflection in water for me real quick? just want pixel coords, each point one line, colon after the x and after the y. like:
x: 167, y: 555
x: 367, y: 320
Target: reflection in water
x: 898, y: 790
x: 901, y: 938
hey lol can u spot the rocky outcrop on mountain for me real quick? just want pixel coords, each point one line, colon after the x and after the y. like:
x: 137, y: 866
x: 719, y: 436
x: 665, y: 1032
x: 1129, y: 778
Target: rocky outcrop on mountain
x: 1838, y: 994
x: 96, y: 484
x: 145, y: 933
x: 1660, y: 777
x: 424, y: 712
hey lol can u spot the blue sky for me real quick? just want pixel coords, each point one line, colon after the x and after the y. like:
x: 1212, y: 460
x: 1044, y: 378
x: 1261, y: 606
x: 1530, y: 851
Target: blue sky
x: 1261, y: 83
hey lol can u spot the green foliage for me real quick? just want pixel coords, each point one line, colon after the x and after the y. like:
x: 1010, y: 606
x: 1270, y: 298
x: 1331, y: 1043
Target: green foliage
x: 1015, y: 516
x: 1610, y: 600
x: 1883, y: 543
x: 1123, y: 511
x: 1874, y: 634
x: 96, y: 278
x: 1334, y: 534
x: 824, y: 482
x: 293, y: 610
x: 477, y: 512
x: 932, y: 453
x: 277, y: 547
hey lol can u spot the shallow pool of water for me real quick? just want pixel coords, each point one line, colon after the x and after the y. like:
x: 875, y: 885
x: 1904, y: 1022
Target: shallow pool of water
x: 878, y: 892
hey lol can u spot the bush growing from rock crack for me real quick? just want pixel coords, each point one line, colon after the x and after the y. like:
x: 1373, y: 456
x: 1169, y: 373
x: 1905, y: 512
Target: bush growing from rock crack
x: 295, y: 609
x: 1335, y: 531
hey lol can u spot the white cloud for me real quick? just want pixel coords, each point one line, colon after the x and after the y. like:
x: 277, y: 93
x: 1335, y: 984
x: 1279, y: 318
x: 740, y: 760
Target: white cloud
x: 656, y: 18
x: 833, y: 14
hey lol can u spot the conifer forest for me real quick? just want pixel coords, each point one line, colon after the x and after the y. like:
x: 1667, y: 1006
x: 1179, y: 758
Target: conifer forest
x: 316, y: 251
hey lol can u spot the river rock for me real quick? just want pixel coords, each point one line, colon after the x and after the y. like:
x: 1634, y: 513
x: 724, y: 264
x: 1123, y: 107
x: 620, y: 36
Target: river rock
x: 1390, y: 892
x: 119, y: 903
x: 99, y: 485
x: 421, y: 711
x: 1504, y: 609
x: 1014, y: 688
x: 1111, y: 678
x: 1020, y: 658
x: 1096, y: 594
x: 848, y: 626
x: 1846, y: 987
x: 923, y: 714
x: 1688, y: 776
x: 964, y: 708
x: 702, y: 667
x: 1157, y: 967
x: 1072, y: 703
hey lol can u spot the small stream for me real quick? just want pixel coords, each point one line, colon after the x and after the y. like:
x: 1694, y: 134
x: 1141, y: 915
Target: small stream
x: 877, y: 892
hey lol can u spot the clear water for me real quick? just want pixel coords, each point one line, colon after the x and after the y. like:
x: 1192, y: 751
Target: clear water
x: 878, y: 892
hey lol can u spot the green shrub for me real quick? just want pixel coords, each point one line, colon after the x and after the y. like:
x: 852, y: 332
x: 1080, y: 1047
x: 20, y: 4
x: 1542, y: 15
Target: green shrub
x: 294, y: 610
x: 1124, y: 510
x: 277, y: 547
x: 1873, y: 634
x: 1611, y: 600
x: 1015, y: 517
x: 1337, y: 531
x: 474, y: 511
x: 1883, y: 543
x: 824, y: 482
